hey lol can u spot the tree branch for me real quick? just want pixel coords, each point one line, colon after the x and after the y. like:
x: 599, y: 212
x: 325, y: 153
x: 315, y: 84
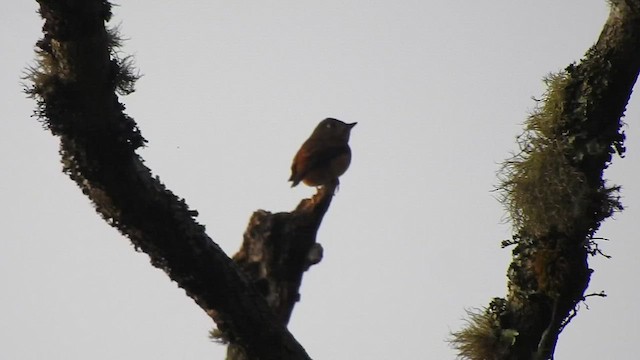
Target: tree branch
x: 557, y: 198
x: 278, y: 249
x: 75, y: 86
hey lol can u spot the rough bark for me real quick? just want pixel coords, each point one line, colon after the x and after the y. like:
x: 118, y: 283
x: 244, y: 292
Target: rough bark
x: 75, y: 86
x: 277, y: 250
x: 550, y: 272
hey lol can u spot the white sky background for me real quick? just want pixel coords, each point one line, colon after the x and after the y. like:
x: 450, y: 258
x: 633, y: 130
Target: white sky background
x: 230, y: 91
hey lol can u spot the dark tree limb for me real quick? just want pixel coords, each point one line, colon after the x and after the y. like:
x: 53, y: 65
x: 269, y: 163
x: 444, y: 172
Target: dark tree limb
x: 557, y: 197
x: 75, y: 86
x: 277, y: 250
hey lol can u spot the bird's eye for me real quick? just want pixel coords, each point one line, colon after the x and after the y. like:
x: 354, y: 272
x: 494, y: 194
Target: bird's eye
x: 329, y: 125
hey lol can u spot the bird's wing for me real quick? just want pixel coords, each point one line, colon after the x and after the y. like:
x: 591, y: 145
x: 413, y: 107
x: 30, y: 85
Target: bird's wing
x: 313, y: 157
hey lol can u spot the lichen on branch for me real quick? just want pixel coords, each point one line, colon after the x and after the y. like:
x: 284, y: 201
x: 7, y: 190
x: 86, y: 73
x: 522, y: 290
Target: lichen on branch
x: 556, y: 197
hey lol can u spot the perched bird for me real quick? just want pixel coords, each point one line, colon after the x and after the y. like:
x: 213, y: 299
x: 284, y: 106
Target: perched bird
x: 324, y: 156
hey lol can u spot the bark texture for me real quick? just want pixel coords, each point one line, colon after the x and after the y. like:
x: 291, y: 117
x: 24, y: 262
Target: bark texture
x: 568, y: 145
x: 277, y: 250
x: 75, y: 85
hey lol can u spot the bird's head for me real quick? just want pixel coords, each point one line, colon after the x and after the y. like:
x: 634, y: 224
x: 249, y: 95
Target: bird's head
x: 333, y: 128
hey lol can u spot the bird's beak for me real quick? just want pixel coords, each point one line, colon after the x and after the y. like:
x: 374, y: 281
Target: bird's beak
x: 352, y: 125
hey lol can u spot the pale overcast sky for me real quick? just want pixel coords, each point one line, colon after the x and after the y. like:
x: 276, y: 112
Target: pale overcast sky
x: 230, y: 90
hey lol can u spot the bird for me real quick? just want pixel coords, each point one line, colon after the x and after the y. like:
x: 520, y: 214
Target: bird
x: 324, y: 156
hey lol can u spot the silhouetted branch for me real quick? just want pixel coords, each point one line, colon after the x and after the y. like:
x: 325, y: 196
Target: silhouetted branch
x: 277, y: 250
x: 75, y: 86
